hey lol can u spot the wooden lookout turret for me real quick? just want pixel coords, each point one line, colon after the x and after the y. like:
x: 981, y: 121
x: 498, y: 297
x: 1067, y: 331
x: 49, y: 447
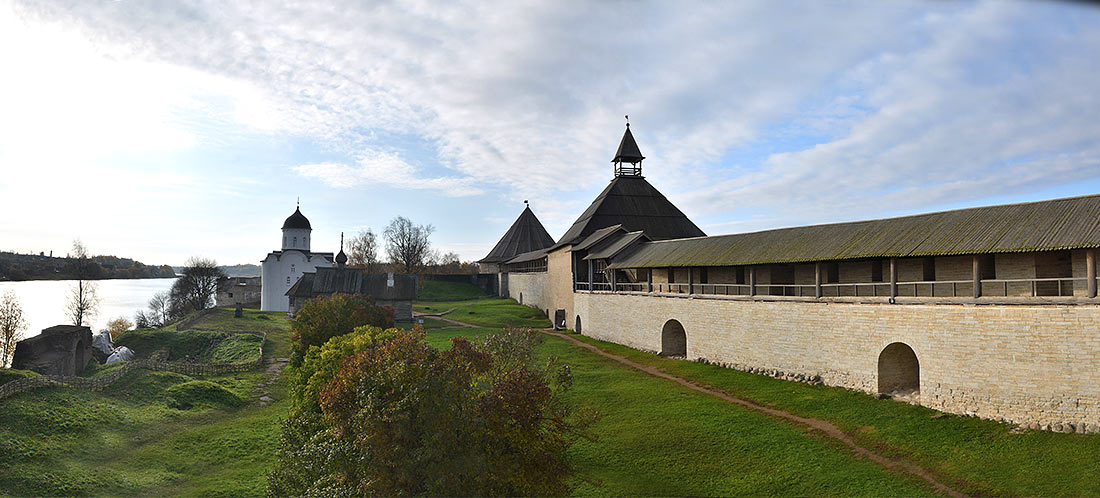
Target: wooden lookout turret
x: 628, y: 159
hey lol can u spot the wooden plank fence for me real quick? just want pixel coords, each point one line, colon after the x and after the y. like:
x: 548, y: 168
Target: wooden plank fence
x: 157, y: 363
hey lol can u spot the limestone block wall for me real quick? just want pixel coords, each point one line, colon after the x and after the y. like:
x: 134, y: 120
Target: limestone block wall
x: 1018, y: 363
x: 560, y: 284
x: 530, y: 289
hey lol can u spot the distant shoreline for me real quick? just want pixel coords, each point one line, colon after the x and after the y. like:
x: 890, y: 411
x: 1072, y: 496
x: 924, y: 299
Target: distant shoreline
x: 67, y: 277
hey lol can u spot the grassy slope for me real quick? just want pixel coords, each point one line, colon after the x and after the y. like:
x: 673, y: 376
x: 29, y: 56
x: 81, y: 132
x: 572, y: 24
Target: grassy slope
x: 657, y: 438
x: 438, y: 290
x: 127, y: 441
x: 978, y: 456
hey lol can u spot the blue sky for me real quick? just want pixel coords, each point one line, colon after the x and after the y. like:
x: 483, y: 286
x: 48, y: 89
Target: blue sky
x: 162, y: 130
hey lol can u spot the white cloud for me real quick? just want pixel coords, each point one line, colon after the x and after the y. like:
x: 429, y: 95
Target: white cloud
x: 386, y: 169
x: 892, y: 105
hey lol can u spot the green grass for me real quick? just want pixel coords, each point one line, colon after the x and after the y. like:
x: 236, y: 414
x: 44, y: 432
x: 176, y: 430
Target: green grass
x: 489, y: 312
x: 237, y: 348
x: 976, y: 456
x: 150, y: 433
x: 191, y: 343
x: 10, y: 374
x: 439, y: 290
x: 657, y: 438
x: 429, y: 323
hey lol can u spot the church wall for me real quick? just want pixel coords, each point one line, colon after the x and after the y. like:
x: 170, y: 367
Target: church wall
x: 1020, y: 363
x: 281, y: 273
x: 531, y: 289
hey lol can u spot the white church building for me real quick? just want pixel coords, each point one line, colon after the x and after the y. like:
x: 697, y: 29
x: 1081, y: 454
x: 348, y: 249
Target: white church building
x: 282, y: 268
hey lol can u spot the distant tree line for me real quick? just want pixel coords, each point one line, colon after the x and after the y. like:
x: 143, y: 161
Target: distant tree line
x: 408, y: 249
x: 14, y: 266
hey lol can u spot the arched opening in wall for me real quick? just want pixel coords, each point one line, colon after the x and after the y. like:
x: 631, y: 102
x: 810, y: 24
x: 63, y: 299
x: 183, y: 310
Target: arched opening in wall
x: 673, y: 339
x: 898, y: 370
x: 520, y: 298
x: 577, y: 324
x: 80, y: 359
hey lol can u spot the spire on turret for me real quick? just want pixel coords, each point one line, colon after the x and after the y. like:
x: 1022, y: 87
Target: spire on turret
x: 628, y: 153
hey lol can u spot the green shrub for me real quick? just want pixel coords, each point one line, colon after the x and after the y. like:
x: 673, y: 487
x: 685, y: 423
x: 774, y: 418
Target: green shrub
x: 201, y: 393
x: 322, y: 318
x: 321, y: 363
x: 10, y: 374
x: 404, y: 418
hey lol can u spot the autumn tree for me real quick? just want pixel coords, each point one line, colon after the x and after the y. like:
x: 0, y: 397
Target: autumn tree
x: 403, y: 418
x: 119, y: 325
x: 407, y: 244
x: 363, y: 251
x: 12, y: 323
x: 197, y: 286
x: 324, y: 317
x: 83, y: 301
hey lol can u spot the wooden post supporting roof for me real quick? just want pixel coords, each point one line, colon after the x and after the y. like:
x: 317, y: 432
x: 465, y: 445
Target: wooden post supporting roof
x: 1090, y: 271
x: 613, y: 272
x: 649, y: 280
x: 752, y: 280
x: 817, y: 279
x: 591, y: 277
x: 894, y: 277
x: 977, y: 276
x: 691, y: 280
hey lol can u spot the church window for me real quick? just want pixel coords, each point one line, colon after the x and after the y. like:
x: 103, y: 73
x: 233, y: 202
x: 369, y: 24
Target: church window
x: 291, y: 269
x: 295, y: 241
x: 284, y: 240
x: 288, y: 280
x: 305, y: 240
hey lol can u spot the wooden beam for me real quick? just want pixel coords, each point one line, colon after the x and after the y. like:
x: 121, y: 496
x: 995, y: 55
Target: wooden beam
x: 1090, y: 271
x: 752, y: 280
x: 977, y: 276
x: 613, y: 272
x: 894, y: 277
x: 649, y: 279
x: 691, y: 280
x: 591, y: 277
x: 817, y: 279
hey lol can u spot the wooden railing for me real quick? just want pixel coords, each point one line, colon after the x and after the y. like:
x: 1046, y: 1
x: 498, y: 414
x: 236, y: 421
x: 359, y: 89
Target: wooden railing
x: 1023, y: 287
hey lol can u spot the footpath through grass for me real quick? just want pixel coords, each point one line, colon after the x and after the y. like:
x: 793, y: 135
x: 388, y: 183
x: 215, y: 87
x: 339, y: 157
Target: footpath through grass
x: 975, y: 456
x: 657, y: 438
x: 151, y: 433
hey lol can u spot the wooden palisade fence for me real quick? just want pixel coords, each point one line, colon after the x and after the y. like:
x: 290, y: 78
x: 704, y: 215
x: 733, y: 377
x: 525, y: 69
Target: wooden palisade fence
x: 156, y: 363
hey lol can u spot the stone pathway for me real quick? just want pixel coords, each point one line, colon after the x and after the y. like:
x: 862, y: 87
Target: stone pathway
x: 271, y: 375
x: 823, y: 426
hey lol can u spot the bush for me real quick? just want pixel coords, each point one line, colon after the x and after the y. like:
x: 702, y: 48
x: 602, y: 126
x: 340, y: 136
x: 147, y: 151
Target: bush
x: 403, y: 418
x: 322, y: 318
x: 321, y: 363
x: 202, y: 393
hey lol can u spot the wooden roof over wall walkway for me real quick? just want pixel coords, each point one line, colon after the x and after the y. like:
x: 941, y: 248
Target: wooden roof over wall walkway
x: 1071, y: 223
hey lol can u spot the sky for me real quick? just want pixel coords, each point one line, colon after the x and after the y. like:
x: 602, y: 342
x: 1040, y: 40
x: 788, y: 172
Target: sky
x: 163, y: 130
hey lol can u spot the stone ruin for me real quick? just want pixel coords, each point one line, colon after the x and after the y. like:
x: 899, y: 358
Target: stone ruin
x: 58, y: 350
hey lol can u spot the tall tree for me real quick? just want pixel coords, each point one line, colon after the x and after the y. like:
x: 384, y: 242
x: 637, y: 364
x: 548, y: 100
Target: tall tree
x: 12, y: 324
x: 83, y: 296
x: 363, y: 251
x: 197, y: 285
x: 160, y: 309
x: 407, y: 244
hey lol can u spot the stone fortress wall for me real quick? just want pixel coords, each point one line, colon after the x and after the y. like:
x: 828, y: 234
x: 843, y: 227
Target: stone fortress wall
x: 1027, y: 364
x: 530, y: 289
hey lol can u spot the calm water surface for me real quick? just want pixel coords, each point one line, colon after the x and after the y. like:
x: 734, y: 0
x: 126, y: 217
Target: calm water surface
x: 43, y: 301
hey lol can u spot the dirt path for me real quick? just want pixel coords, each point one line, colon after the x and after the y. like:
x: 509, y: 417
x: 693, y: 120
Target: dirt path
x: 825, y: 427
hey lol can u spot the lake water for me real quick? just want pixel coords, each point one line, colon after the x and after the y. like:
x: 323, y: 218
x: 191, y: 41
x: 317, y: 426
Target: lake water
x: 43, y: 301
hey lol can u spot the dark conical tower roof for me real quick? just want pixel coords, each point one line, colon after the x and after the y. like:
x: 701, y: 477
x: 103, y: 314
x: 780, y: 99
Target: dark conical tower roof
x: 628, y: 149
x: 526, y: 234
x: 297, y: 220
x: 632, y: 202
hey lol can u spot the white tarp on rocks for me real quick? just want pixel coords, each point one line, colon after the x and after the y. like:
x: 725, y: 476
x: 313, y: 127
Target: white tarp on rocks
x: 121, y: 354
x: 102, y: 342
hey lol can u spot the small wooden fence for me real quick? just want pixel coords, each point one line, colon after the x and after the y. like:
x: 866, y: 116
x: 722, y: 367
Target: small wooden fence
x: 157, y: 363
